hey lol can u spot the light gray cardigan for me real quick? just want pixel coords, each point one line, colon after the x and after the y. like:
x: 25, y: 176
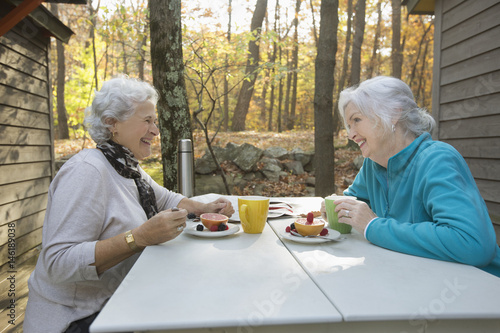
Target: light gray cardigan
x: 87, y: 201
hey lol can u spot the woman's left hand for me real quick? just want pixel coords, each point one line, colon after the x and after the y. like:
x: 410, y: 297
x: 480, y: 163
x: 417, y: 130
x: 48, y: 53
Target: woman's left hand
x: 221, y: 206
x: 354, y: 212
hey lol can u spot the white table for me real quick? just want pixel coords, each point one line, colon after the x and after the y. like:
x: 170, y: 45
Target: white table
x: 374, y: 286
x: 260, y: 283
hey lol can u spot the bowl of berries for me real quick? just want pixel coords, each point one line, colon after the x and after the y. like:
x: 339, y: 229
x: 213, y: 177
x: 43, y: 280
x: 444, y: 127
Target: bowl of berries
x: 310, y: 230
x: 309, y: 226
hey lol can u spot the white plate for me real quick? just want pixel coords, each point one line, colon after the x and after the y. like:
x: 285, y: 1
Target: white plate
x: 332, y: 234
x: 212, y: 234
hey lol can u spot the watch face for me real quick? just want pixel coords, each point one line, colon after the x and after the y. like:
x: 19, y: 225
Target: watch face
x: 129, y: 238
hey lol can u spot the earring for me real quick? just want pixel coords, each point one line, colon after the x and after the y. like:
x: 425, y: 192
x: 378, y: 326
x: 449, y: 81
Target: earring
x: 393, y: 128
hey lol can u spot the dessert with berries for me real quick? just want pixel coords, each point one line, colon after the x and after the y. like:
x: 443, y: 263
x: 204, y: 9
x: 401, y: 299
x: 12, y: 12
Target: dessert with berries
x: 309, y: 226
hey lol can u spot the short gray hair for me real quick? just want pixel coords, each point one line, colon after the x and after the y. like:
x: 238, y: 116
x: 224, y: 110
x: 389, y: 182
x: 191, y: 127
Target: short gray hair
x: 383, y: 98
x: 117, y: 99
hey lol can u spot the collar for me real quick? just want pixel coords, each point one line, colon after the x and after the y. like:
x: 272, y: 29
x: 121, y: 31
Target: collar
x: 401, y: 160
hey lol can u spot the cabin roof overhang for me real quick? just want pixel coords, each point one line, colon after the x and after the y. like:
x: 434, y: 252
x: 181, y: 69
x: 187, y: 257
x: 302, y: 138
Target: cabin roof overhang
x: 20, y: 9
x: 419, y: 7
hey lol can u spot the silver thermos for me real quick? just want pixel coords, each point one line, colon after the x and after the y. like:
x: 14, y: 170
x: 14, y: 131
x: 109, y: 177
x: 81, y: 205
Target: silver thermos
x: 185, y: 173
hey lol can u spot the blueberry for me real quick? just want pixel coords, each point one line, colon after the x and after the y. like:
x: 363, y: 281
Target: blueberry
x: 199, y: 227
x: 191, y: 216
x: 222, y: 227
x: 292, y: 226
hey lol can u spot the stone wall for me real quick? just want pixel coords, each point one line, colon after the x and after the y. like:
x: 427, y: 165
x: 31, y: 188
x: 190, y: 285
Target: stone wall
x: 248, y: 166
x: 247, y: 163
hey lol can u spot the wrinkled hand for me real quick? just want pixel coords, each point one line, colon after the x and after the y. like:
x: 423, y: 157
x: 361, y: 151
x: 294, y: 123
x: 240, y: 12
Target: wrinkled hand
x: 354, y: 212
x: 162, y: 227
x: 221, y: 206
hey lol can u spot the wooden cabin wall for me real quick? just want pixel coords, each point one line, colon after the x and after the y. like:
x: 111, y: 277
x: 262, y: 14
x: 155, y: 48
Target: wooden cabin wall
x: 467, y: 90
x: 26, y: 142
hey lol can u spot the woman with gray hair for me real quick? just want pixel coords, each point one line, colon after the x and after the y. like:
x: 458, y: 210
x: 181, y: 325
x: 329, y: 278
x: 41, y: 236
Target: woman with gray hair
x: 414, y: 195
x: 103, y: 210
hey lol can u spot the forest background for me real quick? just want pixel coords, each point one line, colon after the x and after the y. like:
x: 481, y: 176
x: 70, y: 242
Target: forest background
x: 112, y: 37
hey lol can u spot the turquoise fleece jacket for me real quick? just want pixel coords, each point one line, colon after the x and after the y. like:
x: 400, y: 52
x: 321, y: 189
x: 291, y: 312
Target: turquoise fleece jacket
x: 428, y: 205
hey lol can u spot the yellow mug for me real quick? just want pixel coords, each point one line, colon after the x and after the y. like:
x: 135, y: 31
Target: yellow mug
x: 253, y: 213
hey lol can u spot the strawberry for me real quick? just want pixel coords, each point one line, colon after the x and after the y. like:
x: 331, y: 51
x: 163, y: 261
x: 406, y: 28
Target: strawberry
x: 214, y: 228
x: 310, y: 218
x: 324, y: 232
x: 287, y: 229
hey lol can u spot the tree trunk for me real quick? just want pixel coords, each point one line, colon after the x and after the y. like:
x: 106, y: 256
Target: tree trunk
x: 124, y: 57
x: 168, y: 78
x: 62, y: 115
x: 373, y: 60
x: 419, y: 51
x: 280, y: 102
x: 245, y: 95
x: 271, y: 107
x: 288, y: 87
x: 359, y: 32
x: 265, y: 84
x: 93, y: 14
x: 280, y: 86
x: 295, y: 65
x: 273, y: 70
x: 421, y: 80
x: 226, y: 63
x: 142, y: 53
x: 396, y: 53
x: 315, y: 33
x: 106, y: 60
x: 337, y: 122
x: 323, y: 99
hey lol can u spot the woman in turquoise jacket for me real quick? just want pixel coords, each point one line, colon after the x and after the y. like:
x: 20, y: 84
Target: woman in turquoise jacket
x: 415, y: 195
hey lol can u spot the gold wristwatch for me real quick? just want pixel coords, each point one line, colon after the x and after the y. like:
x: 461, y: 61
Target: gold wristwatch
x: 129, y: 238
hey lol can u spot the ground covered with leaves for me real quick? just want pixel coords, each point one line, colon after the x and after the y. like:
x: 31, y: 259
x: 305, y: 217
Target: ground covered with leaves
x: 291, y: 185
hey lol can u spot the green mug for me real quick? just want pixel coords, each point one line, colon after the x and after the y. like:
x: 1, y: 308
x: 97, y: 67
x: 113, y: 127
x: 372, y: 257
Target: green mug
x: 332, y: 216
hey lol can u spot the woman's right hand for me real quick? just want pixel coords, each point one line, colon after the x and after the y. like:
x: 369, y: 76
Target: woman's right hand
x: 164, y: 226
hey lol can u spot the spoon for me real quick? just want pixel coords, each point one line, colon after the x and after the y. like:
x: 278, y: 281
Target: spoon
x: 312, y: 236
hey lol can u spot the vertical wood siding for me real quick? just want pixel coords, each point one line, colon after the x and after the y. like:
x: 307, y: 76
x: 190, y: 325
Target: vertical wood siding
x: 26, y: 145
x: 467, y: 89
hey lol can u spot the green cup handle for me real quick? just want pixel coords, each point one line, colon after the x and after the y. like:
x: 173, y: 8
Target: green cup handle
x: 243, y: 214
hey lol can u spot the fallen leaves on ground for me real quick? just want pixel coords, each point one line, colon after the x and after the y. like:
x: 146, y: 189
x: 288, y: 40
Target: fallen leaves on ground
x: 67, y: 148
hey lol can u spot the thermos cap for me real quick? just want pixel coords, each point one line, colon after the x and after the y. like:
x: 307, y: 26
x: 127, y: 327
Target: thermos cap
x: 185, y: 146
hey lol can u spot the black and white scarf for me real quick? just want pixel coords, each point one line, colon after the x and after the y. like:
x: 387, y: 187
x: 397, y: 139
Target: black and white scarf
x: 124, y: 162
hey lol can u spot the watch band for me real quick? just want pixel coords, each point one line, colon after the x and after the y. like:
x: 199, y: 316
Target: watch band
x: 129, y: 238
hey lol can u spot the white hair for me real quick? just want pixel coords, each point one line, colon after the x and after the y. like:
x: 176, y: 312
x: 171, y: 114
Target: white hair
x: 117, y: 100
x: 385, y: 98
